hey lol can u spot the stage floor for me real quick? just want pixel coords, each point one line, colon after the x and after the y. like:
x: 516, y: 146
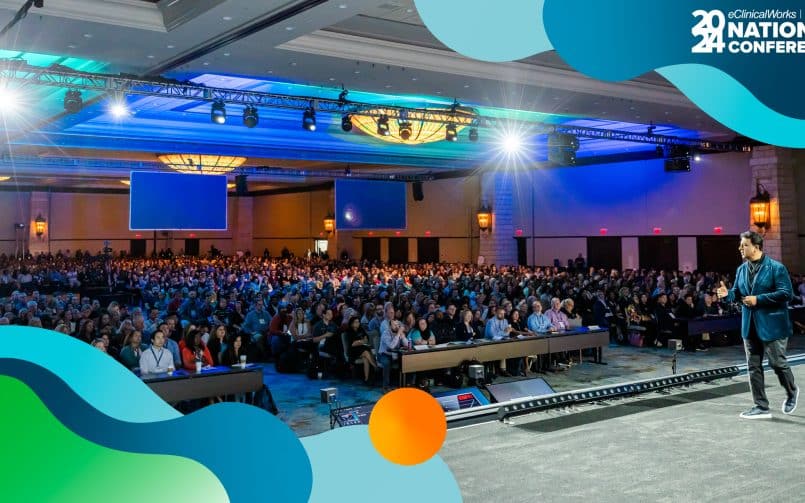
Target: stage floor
x: 689, y: 445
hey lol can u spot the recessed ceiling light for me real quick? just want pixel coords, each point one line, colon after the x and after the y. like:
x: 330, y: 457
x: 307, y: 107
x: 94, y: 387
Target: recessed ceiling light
x: 293, y: 63
x: 271, y: 71
x: 289, y: 28
x: 88, y: 35
x: 413, y: 78
x: 150, y: 56
x: 342, y: 6
x: 227, y: 18
x: 227, y: 54
x: 667, y: 113
x: 206, y: 63
x: 556, y: 98
x: 438, y: 92
x: 388, y: 86
x: 409, y: 10
x: 72, y: 46
x: 636, y: 116
x: 466, y: 86
x: 356, y: 72
x: 332, y: 79
x: 171, y: 46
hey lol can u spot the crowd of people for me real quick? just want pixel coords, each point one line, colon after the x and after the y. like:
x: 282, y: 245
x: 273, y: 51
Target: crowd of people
x: 300, y: 311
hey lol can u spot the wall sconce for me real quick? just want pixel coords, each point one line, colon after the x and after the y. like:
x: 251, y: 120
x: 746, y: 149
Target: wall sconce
x: 329, y: 223
x: 40, y: 225
x: 760, y: 208
x: 484, y: 218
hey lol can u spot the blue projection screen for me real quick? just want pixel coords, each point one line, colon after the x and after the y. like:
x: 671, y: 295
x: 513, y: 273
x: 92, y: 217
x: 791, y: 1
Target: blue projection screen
x: 369, y: 204
x: 162, y: 201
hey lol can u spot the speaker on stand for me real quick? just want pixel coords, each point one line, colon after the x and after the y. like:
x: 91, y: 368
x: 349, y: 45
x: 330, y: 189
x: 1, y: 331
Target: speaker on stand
x: 419, y: 195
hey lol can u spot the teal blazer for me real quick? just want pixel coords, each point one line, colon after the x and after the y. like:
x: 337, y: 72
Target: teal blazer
x: 773, y: 290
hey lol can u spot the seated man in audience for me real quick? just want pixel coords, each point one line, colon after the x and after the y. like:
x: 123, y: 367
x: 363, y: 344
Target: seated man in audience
x: 555, y: 314
x: 538, y: 322
x: 157, y: 358
x: 170, y: 345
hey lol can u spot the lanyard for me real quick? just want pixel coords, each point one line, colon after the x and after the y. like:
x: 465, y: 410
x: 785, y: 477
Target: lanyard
x: 161, y: 352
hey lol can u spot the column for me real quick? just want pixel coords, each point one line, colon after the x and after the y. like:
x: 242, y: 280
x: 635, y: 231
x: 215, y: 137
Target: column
x: 243, y: 232
x: 774, y: 168
x: 497, y: 244
x: 40, y: 205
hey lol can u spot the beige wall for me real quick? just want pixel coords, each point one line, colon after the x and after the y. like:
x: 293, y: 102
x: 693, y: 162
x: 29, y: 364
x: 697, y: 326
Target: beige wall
x: 14, y: 208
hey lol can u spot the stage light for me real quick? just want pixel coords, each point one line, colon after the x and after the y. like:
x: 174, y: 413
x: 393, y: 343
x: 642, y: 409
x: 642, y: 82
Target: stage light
x: 250, y: 116
x: 119, y: 109
x: 562, y: 156
x: 450, y: 133
x: 73, y: 102
x: 383, y: 125
x: 309, y: 119
x: 9, y: 100
x: 473, y: 135
x: 512, y: 143
x: 697, y: 157
x: 660, y: 151
x: 346, y: 123
x: 218, y: 112
x: 405, y: 130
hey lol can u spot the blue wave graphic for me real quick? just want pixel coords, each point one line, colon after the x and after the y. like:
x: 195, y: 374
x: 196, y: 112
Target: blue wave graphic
x: 252, y: 453
x: 347, y: 467
x: 728, y: 101
x: 92, y: 374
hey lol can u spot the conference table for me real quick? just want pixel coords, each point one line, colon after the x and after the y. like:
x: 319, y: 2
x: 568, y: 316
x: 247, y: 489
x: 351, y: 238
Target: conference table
x: 212, y: 381
x: 453, y: 354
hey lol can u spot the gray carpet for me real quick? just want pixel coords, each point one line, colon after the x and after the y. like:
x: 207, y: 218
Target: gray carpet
x: 685, y: 446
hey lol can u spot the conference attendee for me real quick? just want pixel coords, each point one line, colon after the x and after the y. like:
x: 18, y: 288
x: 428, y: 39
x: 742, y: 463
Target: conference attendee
x: 763, y: 287
x: 358, y: 342
x: 392, y: 338
x: 299, y: 326
x: 537, y: 322
x: 555, y: 314
x: 171, y: 345
x: 234, y: 350
x: 518, y: 326
x: 467, y: 330
x: 498, y: 328
x: 256, y: 322
x: 132, y: 350
x: 156, y: 359
x: 573, y: 318
x: 195, y: 350
x: 421, y: 334
x: 217, y: 344
x: 99, y: 344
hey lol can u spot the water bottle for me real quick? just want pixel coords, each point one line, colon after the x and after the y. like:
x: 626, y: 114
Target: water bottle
x: 199, y: 361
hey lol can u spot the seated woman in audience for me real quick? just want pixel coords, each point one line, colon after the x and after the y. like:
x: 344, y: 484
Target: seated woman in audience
x: 132, y: 350
x: 156, y: 359
x: 234, y: 350
x: 299, y: 326
x: 467, y: 330
x: 421, y: 333
x: 217, y: 344
x: 87, y: 331
x: 194, y: 349
x: 517, y: 324
x: 358, y: 342
x: 99, y: 344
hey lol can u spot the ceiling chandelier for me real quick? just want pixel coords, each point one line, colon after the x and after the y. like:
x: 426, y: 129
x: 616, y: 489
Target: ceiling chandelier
x: 413, y: 127
x: 202, y: 163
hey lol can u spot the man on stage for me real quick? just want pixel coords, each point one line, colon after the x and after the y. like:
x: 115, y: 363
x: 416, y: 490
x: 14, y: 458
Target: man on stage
x: 764, y: 288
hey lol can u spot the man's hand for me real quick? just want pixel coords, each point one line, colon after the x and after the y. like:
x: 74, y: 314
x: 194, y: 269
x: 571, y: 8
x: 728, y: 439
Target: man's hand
x: 750, y: 300
x: 722, y: 291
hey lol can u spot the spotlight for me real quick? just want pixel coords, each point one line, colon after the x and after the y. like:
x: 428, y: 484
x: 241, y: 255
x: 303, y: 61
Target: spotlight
x: 73, y: 102
x: 346, y: 123
x: 512, y: 143
x: 473, y: 134
x: 697, y: 157
x: 218, y: 112
x: 562, y: 156
x: 119, y: 109
x: 309, y: 119
x: 8, y: 99
x: 450, y: 133
x: 250, y: 116
x: 383, y: 125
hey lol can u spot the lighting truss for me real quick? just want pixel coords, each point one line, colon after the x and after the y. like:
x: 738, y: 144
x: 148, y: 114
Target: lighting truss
x: 18, y: 70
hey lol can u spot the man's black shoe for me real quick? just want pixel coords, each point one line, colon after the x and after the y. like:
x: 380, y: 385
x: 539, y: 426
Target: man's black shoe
x: 756, y: 413
x: 790, y: 405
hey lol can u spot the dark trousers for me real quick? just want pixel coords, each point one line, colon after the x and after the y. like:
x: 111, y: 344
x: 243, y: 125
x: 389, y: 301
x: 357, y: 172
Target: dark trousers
x: 775, y: 350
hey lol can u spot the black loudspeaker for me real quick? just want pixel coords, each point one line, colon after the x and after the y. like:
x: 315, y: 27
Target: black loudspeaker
x: 418, y: 194
x: 241, y: 187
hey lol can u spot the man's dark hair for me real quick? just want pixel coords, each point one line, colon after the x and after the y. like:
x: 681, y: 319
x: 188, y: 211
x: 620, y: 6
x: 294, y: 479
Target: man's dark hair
x: 754, y: 237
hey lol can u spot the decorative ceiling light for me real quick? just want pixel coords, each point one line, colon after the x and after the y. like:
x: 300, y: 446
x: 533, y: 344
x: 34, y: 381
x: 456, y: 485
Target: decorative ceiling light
x: 202, y: 163
x: 5, y: 178
x: 760, y: 208
x: 415, y: 126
